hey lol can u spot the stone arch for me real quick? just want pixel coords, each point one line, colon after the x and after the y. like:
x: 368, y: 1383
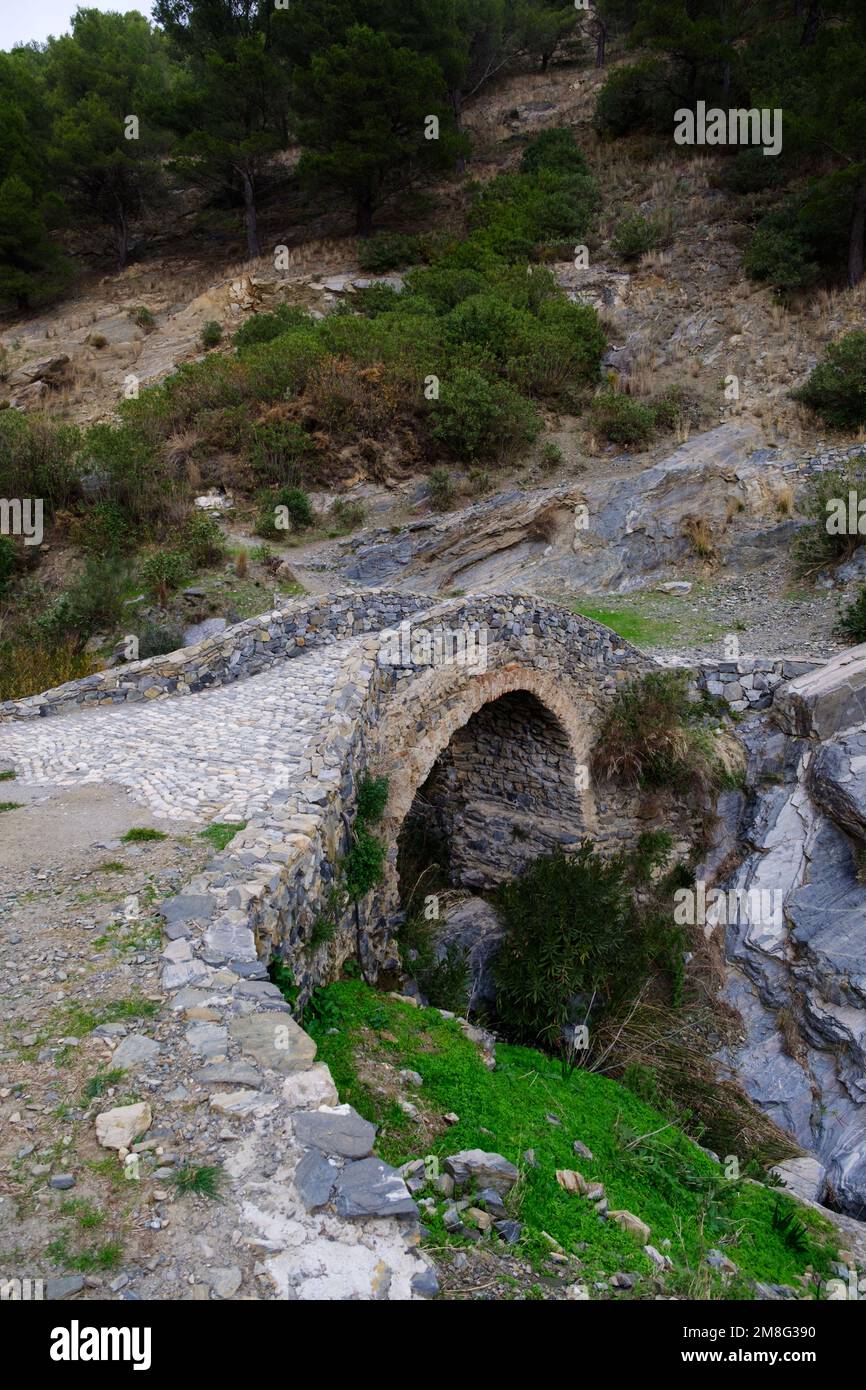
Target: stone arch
x: 443, y: 713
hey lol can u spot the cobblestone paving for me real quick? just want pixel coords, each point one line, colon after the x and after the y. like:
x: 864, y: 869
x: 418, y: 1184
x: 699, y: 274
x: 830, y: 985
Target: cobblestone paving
x: 216, y: 755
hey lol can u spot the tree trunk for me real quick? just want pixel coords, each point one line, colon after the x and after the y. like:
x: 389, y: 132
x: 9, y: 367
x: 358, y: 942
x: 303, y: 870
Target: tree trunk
x: 250, y: 222
x: 857, y: 238
x: 456, y: 100
x: 364, y: 214
x: 812, y: 24
x: 600, y: 43
x: 121, y: 238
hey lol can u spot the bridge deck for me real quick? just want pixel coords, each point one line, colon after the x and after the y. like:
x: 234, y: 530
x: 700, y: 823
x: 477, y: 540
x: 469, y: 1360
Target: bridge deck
x: 216, y: 755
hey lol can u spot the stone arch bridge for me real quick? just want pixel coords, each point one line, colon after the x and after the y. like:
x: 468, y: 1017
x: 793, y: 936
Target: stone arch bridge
x: 486, y: 706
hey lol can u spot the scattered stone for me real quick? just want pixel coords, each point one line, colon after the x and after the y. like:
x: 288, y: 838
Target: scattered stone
x: 310, y: 1088
x: 226, y: 1282
x: 62, y: 1182
x: 572, y: 1181
x: 483, y: 1169
x: 628, y: 1222
x: 64, y: 1286
x: 581, y: 1150
x: 116, y: 1129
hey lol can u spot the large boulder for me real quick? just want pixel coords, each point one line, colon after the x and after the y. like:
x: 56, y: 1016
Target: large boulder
x: 825, y: 701
x: 837, y: 781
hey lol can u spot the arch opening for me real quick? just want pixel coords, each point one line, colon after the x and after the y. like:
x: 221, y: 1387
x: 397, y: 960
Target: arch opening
x: 503, y: 791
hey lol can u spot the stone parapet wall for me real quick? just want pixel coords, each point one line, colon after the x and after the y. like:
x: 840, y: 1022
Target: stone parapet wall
x: 750, y: 683
x: 242, y: 650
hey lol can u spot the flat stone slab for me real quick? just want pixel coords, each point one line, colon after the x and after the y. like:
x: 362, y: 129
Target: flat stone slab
x: 314, y: 1179
x: 134, y: 1049
x: 335, y: 1130
x: 228, y: 1073
x: 187, y: 907
x: 275, y: 1040
x: 372, y: 1188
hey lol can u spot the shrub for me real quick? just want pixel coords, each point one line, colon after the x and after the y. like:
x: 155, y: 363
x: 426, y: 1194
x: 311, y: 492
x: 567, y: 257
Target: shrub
x: 779, y: 255
x: 440, y: 489
x: 518, y: 216
x: 443, y: 978
x: 127, y: 467
x: 551, y: 455
x: 621, y: 418
x: 156, y: 639
x: 371, y: 798
x: 444, y: 286
x: 297, y: 507
x: 578, y: 942
x: 851, y: 626
x: 7, y: 562
x: 106, y: 529
x: 386, y: 251
x: 202, y: 540
x: 562, y: 349
x: 750, y: 171
x: 836, y: 388
x: 143, y: 318
x: 27, y: 668
x: 348, y: 516
x: 635, y: 98
x: 264, y: 328
x: 94, y: 600
x: 38, y: 459
x: 479, y: 418
x: 211, y: 334
x: 280, y: 450
x: 636, y: 235
x: 652, y: 736
x: 829, y: 539
x: 163, y: 572
x: 556, y: 152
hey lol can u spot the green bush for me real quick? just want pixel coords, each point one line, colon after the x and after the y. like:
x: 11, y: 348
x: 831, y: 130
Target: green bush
x: 264, y: 328
x: 579, y: 941
x: 636, y: 235
x: 635, y: 98
x: 94, y: 600
x: 7, y: 561
x: 211, y: 334
x: 554, y: 151
x: 39, y: 459
x: 298, y: 511
x: 829, y: 539
x: 519, y: 216
x: 106, y: 529
x: 836, y: 388
x: 163, y: 572
x: 143, y: 318
x: 387, y: 251
x: 280, y: 451
x: 157, y: 639
x: 441, y: 490
x: 479, y: 418
x: 561, y: 350
x: 653, y: 735
x: 202, y: 540
x: 621, y: 418
x: 851, y: 626
x: 779, y: 255
x: 371, y: 798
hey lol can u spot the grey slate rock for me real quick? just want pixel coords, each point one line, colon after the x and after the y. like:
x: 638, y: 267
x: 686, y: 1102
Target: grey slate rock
x: 336, y: 1130
x: 314, y: 1179
x: 64, y: 1286
x: 372, y: 1188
